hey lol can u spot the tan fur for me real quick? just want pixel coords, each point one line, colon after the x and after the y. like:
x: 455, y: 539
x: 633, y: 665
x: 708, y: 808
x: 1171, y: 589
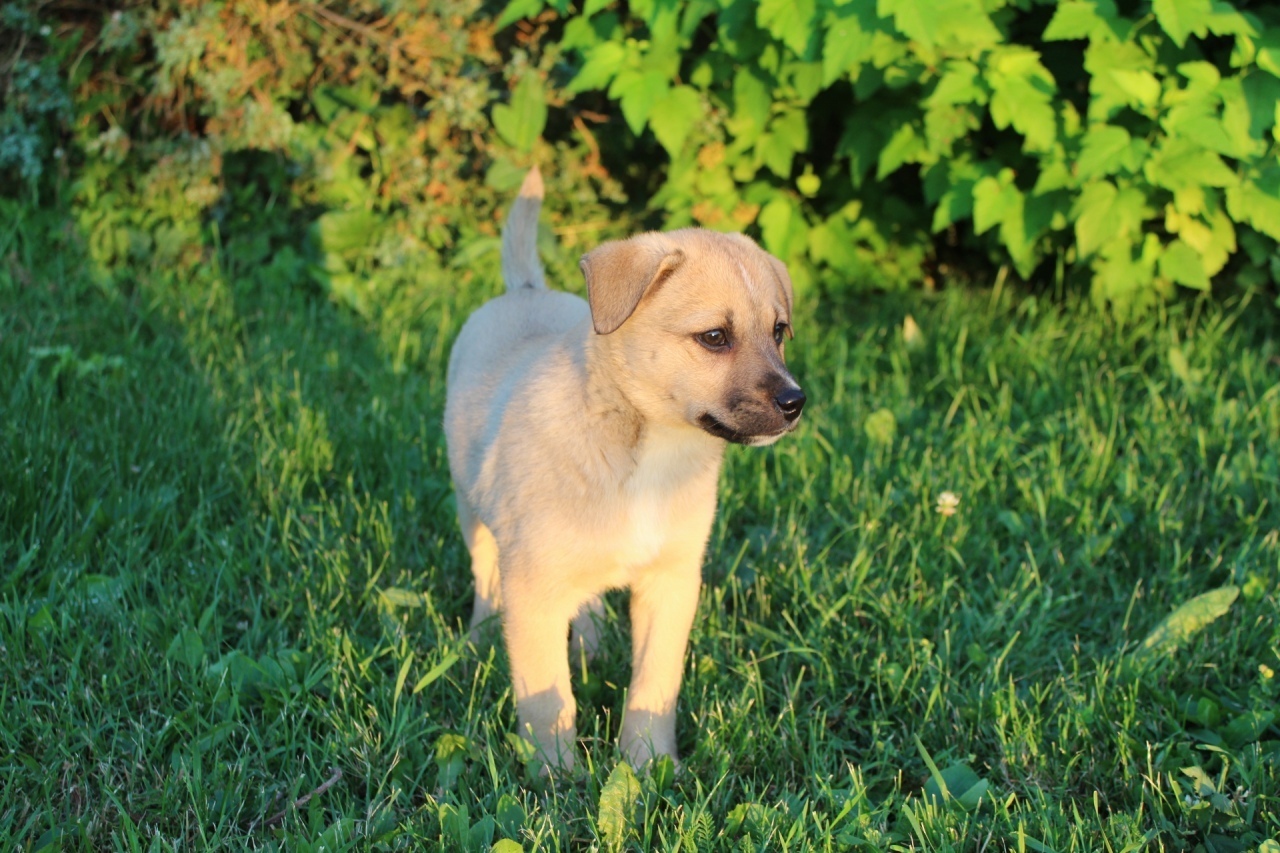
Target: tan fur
x: 582, y: 459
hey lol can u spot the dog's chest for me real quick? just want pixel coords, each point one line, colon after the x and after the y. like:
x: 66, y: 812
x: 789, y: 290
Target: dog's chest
x: 652, y: 498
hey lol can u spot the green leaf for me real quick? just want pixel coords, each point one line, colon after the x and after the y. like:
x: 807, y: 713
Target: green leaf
x: 1256, y: 201
x: 782, y: 226
x: 913, y: 18
x: 880, y: 426
x: 521, y: 122
x: 1120, y: 76
x: 518, y: 10
x: 959, y: 784
x: 637, y: 92
x: 187, y: 648
x: 397, y: 597
x: 847, y: 42
x: 752, y: 99
x: 674, y: 117
x: 617, y: 805
x: 789, y: 21
x: 1103, y: 152
x: 1187, y: 620
x: 1086, y: 19
x: 1268, y: 55
x: 904, y: 146
x: 1183, y: 264
x: 602, y: 64
x: 506, y: 845
x: 1103, y: 213
x: 1182, y: 18
x: 1022, y: 95
x: 959, y: 83
x: 994, y: 201
x: 1250, y: 726
x: 1180, y: 163
x: 954, y: 23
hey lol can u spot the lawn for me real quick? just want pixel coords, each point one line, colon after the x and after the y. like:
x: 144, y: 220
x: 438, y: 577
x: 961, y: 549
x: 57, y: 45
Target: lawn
x: 233, y: 595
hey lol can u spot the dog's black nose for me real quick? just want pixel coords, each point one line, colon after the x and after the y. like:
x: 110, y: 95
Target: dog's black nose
x: 790, y: 401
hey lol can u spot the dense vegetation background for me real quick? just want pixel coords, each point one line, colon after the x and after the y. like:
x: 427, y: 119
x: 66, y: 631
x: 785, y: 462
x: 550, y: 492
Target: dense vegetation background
x: 1036, y: 249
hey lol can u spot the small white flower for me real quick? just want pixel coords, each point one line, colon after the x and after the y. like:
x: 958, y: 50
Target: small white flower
x: 46, y: 30
x: 947, y: 503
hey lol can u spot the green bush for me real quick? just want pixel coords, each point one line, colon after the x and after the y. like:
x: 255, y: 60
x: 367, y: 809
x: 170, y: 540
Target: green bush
x: 1130, y: 144
x: 345, y: 145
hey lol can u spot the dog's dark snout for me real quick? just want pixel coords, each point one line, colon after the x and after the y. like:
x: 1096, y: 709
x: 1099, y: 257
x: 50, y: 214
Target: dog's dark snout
x: 790, y: 401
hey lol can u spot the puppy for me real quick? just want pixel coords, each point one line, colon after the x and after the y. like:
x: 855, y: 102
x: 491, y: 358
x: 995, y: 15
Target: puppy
x: 585, y: 441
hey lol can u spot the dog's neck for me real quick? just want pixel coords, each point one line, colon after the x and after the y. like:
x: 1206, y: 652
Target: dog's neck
x: 618, y: 417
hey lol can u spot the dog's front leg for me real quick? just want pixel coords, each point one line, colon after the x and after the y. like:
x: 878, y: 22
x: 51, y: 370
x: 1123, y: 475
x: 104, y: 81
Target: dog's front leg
x: 536, y: 625
x: 663, y: 602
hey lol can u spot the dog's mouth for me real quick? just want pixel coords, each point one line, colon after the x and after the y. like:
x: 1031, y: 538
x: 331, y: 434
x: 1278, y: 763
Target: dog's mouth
x: 713, y: 425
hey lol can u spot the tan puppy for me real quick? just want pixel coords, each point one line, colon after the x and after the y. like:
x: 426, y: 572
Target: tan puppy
x: 585, y: 443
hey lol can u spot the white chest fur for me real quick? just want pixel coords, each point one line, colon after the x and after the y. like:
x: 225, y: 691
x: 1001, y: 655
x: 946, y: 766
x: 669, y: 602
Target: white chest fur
x: 668, y: 466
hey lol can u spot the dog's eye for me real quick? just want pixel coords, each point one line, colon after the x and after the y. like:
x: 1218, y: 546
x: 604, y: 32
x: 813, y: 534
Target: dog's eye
x: 779, y: 332
x: 714, y: 339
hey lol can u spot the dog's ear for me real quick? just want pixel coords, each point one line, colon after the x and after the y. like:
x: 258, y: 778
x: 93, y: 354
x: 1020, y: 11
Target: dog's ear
x: 619, y: 273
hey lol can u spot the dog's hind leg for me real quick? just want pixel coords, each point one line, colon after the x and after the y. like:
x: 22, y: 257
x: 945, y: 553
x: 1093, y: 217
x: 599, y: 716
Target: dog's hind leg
x: 484, y: 565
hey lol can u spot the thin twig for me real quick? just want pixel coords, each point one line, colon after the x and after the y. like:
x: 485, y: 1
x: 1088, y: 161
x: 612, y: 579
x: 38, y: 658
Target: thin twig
x: 302, y: 801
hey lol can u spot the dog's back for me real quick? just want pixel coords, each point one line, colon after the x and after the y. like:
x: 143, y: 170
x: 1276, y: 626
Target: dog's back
x: 503, y: 346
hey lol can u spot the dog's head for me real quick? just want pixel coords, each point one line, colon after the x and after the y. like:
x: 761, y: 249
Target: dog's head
x: 696, y: 322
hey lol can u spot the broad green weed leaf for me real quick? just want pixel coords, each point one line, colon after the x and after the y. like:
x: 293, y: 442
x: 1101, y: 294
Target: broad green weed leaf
x: 520, y: 123
x: 506, y: 845
x: 1249, y: 726
x: 397, y: 597
x: 617, y: 805
x: 1187, y: 620
x: 452, y: 751
x: 1182, y: 18
x: 510, y: 814
x: 881, y: 426
x: 187, y: 648
x: 962, y: 785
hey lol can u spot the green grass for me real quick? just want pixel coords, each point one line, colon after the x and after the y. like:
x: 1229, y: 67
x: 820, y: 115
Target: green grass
x: 229, y: 565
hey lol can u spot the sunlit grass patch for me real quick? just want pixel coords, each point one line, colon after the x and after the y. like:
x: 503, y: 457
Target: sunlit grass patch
x: 229, y: 566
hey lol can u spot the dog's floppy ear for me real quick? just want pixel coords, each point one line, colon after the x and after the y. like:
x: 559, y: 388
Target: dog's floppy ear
x: 620, y: 272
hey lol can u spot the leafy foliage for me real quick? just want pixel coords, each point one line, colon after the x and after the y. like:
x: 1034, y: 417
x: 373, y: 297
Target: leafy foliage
x: 1132, y: 145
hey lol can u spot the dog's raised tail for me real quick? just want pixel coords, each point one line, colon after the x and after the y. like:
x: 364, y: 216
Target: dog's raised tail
x: 520, y: 264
